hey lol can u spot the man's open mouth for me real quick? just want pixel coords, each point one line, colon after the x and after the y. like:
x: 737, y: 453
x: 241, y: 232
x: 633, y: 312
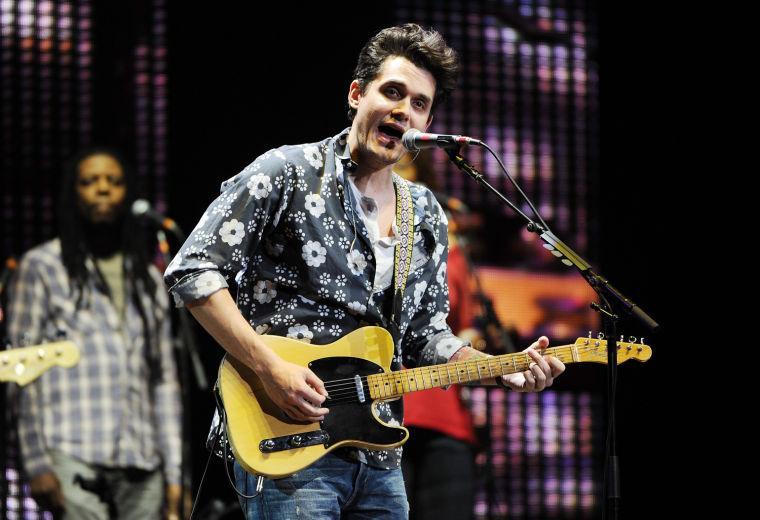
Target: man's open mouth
x: 391, y: 131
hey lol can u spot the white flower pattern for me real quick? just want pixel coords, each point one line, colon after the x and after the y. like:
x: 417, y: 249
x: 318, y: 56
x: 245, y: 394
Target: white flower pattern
x: 260, y: 186
x: 314, y: 253
x: 315, y: 204
x: 232, y: 232
x: 300, y: 332
x: 357, y: 308
x: 312, y: 154
x: 264, y: 291
x: 208, y: 283
x: 356, y: 262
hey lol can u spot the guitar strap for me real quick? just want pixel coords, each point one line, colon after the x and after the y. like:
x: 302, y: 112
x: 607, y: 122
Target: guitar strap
x: 404, y: 247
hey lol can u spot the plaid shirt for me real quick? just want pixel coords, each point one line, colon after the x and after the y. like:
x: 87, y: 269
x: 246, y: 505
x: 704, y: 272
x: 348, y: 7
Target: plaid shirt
x: 287, y: 233
x: 104, y: 410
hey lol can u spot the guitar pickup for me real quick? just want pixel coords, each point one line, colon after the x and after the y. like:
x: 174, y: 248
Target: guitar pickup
x: 291, y: 442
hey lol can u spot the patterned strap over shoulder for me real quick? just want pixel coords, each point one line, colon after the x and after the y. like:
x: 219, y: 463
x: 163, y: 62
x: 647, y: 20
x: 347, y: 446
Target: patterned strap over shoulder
x: 403, y: 253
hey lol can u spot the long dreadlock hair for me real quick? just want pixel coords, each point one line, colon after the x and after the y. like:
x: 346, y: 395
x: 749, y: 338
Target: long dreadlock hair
x: 75, y: 252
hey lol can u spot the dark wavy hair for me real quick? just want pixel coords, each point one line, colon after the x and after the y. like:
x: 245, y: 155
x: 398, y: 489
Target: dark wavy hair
x: 425, y: 48
x: 75, y: 250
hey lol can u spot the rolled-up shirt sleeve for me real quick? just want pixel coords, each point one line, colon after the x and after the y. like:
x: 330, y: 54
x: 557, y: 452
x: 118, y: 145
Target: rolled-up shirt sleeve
x: 249, y: 206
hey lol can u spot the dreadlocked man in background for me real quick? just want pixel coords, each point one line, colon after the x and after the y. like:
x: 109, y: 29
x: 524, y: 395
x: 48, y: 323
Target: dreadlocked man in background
x: 100, y: 439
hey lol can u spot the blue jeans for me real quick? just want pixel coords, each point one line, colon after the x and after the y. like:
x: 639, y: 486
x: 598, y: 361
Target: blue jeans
x: 332, y: 488
x: 136, y: 494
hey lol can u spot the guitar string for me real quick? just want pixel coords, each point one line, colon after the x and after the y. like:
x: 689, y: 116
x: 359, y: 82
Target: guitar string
x: 346, y: 392
x: 351, y: 382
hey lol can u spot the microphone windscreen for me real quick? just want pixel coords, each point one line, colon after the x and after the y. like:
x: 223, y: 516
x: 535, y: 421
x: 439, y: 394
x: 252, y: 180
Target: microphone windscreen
x: 408, y: 139
x: 140, y: 207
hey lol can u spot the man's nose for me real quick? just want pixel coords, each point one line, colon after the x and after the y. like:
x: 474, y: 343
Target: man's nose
x: 103, y: 185
x: 402, y: 110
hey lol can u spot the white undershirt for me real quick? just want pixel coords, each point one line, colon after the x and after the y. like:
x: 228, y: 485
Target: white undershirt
x: 383, y: 247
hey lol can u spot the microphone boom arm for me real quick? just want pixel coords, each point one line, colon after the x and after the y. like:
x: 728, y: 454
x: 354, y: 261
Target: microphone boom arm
x: 561, y: 250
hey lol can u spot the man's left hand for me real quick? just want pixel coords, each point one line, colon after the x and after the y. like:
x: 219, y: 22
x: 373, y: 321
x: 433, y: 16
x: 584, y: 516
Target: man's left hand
x: 173, y: 496
x: 540, y: 373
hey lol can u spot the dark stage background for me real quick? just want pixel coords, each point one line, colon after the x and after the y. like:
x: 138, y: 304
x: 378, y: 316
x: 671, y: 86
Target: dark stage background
x: 231, y: 82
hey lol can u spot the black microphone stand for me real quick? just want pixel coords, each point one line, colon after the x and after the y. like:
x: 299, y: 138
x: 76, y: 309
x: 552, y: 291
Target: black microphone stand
x: 187, y: 347
x: 611, y: 299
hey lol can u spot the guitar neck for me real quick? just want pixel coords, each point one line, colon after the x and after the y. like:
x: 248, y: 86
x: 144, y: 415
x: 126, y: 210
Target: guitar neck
x: 25, y: 364
x: 395, y: 384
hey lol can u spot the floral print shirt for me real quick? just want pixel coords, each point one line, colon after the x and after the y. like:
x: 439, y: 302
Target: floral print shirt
x: 286, y: 236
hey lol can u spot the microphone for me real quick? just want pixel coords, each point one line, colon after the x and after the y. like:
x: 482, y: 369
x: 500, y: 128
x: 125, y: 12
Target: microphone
x: 141, y: 208
x: 414, y: 140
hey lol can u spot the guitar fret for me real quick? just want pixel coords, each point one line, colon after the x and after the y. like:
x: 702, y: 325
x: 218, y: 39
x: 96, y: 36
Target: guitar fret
x: 448, y: 374
x: 467, y: 367
x: 434, y: 381
x: 386, y: 386
x: 429, y: 384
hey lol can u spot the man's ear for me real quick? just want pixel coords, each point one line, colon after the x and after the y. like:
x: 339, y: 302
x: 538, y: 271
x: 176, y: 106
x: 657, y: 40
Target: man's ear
x: 430, y: 120
x: 354, y: 94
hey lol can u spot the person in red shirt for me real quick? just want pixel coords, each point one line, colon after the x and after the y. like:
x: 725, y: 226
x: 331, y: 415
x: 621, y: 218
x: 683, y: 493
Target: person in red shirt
x: 439, y: 460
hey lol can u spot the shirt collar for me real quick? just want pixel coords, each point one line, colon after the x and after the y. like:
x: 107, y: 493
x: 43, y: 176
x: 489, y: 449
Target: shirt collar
x: 343, y: 158
x: 342, y: 152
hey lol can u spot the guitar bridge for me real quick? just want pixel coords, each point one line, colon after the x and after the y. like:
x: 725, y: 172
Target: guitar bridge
x: 359, y: 389
x: 291, y: 442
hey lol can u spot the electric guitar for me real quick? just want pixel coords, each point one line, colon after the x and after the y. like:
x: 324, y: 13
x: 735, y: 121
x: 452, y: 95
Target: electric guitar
x: 24, y: 365
x: 356, y: 373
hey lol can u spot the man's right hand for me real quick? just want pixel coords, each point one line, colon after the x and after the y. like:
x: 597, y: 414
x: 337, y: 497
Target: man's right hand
x: 295, y: 389
x: 46, y: 491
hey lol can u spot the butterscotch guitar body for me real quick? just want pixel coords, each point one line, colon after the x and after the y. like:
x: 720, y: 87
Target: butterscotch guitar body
x: 253, y: 419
